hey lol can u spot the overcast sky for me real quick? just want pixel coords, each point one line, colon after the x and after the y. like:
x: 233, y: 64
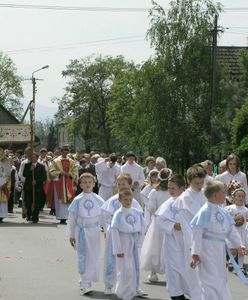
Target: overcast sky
x: 37, y: 37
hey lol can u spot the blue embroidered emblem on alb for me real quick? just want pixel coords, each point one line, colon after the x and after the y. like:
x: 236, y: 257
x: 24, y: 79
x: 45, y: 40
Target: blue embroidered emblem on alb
x: 130, y: 219
x: 220, y: 219
x: 88, y: 205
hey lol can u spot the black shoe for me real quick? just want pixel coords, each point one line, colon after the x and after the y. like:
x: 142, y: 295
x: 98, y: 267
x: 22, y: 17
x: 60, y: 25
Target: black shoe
x: 52, y: 212
x: 181, y: 297
x: 1, y: 220
x: 63, y: 221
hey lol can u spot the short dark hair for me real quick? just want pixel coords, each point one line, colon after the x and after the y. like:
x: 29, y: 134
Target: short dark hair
x: 19, y: 151
x: 149, y: 159
x: 82, y: 160
x: 65, y: 147
x: 113, y: 157
x: 130, y: 153
x: 177, y: 179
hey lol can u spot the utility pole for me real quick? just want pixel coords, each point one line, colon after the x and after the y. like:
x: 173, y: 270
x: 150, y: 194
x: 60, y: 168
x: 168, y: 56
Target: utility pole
x: 32, y: 126
x: 213, y: 76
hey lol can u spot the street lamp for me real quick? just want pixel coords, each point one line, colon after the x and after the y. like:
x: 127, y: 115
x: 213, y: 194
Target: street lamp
x: 32, y: 125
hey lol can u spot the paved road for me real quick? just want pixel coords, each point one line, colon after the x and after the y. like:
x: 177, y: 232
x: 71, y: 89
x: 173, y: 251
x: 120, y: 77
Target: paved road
x: 37, y: 262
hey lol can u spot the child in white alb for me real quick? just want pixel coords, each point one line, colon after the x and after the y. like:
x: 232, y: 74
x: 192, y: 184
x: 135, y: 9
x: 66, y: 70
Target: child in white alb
x: 124, y: 181
x: 187, y: 205
x: 152, y: 181
x: 127, y: 229
x: 211, y: 226
x: 150, y: 255
x: 176, y: 264
x: 240, y: 215
x: 85, y: 218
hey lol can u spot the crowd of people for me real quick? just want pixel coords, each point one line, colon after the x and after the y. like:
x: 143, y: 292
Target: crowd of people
x: 191, y: 231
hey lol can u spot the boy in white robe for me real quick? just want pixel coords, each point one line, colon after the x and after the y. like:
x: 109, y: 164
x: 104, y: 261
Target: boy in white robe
x: 187, y: 205
x: 211, y: 226
x: 127, y: 230
x: 124, y: 181
x: 85, y: 218
x: 176, y: 266
x: 136, y: 172
x: 107, y: 171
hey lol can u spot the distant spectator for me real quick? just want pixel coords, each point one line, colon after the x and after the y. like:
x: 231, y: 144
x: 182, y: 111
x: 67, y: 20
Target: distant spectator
x: 150, y: 164
x: 223, y: 166
x: 160, y: 163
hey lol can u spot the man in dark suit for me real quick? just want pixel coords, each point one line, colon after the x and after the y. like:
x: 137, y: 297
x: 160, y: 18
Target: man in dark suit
x: 35, y: 176
x: 92, y: 169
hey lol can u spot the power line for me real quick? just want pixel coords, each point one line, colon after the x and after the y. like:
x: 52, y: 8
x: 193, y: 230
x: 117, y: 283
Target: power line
x: 236, y: 9
x: 75, y: 8
x: 237, y: 32
x: 99, y: 8
x: 237, y: 27
x: 129, y: 39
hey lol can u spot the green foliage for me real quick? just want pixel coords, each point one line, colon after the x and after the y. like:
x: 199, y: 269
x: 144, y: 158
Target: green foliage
x: 47, y: 133
x: 87, y: 97
x: 240, y: 130
x: 10, y: 86
x: 232, y: 114
x: 161, y: 107
x: 52, y: 142
x: 182, y: 39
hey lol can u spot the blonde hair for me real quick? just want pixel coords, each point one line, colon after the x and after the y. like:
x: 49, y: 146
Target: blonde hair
x: 125, y: 176
x: 213, y: 186
x: 86, y: 175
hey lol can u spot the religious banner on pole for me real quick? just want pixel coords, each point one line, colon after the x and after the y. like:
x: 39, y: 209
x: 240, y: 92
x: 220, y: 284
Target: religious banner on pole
x: 14, y: 133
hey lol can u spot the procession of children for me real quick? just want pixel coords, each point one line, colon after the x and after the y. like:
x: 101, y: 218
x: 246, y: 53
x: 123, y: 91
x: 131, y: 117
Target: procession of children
x: 187, y: 235
x: 190, y: 230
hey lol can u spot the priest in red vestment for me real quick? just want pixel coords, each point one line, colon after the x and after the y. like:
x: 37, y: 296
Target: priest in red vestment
x: 64, y: 173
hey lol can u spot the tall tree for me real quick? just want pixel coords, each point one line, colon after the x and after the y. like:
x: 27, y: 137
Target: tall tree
x: 230, y: 112
x: 240, y: 118
x: 182, y: 40
x: 52, y: 140
x: 10, y: 86
x: 87, y: 97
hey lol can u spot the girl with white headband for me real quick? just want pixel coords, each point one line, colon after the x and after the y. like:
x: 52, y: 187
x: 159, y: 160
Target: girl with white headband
x: 151, y: 249
x: 240, y: 215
